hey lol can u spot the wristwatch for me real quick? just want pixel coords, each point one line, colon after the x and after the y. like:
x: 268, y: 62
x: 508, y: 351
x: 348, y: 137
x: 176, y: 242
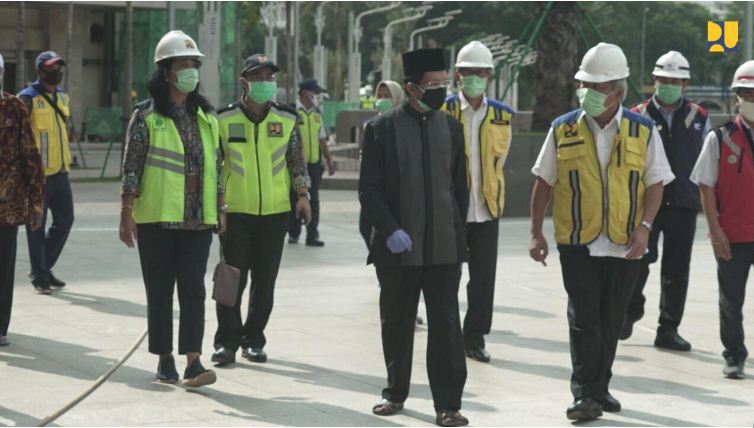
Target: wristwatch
x: 223, y: 208
x: 307, y: 194
x: 646, y: 224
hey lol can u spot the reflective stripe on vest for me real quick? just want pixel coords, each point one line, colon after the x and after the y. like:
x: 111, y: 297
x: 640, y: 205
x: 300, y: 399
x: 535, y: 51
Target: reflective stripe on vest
x: 162, y: 188
x: 51, y: 133
x: 585, y: 204
x: 735, y: 182
x: 495, y: 138
x: 309, y: 130
x: 255, y: 170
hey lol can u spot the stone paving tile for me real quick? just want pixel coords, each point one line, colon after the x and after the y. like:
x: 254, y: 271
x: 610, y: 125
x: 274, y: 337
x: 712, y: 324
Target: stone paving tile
x: 326, y: 366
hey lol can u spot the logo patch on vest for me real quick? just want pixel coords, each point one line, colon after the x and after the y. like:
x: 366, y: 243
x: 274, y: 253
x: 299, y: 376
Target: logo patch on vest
x: 236, y: 133
x: 40, y: 104
x: 571, y: 130
x: 274, y: 129
x: 500, y: 122
x: 698, y: 126
x: 732, y: 159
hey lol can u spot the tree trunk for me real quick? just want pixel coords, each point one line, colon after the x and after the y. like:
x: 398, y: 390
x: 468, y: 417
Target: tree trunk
x: 338, y: 74
x: 556, y: 64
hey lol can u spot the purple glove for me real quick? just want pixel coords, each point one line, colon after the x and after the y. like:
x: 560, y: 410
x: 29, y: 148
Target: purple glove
x: 399, y: 242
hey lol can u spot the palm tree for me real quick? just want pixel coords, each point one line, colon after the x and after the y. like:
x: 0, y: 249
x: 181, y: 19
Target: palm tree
x: 556, y: 64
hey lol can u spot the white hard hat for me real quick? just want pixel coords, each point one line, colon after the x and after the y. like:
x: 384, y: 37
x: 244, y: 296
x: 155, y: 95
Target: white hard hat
x: 603, y: 63
x: 474, y: 55
x: 368, y: 88
x: 744, y: 77
x: 175, y: 44
x: 363, y: 91
x: 672, y: 65
x: 2, y: 62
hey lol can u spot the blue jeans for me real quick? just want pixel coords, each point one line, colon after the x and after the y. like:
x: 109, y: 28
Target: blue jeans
x: 45, y: 245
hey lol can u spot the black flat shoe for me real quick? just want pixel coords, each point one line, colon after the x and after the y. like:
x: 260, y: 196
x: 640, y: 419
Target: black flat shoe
x: 54, y: 282
x: 609, y: 403
x: 451, y: 418
x: 166, y: 372
x: 673, y: 341
x: 314, y: 242
x: 478, y: 354
x: 584, y: 409
x: 256, y: 355
x: 41, y: 287
x: 223, y: 356
x: 386, y: 407
x: 196, y: 375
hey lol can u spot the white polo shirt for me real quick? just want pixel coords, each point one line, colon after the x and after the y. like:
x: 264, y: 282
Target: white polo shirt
x: 656, y: 170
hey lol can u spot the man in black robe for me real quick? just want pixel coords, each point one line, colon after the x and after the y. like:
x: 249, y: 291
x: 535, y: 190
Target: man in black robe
x: 413, y: 192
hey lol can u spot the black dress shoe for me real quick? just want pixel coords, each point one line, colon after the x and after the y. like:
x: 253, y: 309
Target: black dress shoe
x: 733, y: 369
x: 314, y: 242
x: 451, y: 418
x: 609, y: 403
x: 166, y: 372
x: 54, y: 282
x: 584, y: 409
x: 255, y: 355
x: 672, y: 340
x: 478, y: 354
x: 223, y: 356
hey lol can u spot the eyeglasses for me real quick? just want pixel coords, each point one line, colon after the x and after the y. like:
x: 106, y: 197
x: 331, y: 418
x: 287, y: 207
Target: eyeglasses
x: 434, y: 85
x: 479, y: 72
x: 261, y: 77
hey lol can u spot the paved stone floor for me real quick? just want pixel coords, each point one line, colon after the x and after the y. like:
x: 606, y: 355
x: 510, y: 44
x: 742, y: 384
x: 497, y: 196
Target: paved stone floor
x: 326, y: 366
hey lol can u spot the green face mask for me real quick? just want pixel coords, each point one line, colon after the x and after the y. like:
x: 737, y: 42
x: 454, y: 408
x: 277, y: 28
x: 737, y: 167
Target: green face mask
x: 592, y: 101
x: 384, y: 104
x: 261, y: 92
x: 473, y: 86
x: 188, y: 78
x: 668, y: 94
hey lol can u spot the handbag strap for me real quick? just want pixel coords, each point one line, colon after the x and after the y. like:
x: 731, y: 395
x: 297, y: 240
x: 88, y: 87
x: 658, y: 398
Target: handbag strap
x: 54, y: 105
x: 222, y: 254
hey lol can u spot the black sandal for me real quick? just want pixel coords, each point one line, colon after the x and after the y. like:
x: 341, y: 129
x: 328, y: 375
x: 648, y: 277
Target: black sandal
x: 386, y: 407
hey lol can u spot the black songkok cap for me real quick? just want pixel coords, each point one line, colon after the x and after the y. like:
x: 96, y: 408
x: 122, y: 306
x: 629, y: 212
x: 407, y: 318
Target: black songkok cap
x: 420, y: 61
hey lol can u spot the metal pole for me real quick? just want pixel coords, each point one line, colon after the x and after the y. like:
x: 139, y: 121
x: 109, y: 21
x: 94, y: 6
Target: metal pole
x: 748, y: 30
x: 289, y: 53
x: 296, y: 43
x: 319, y: 54
x: 127, y: 75
x: 387, y: 65
x: 171, y: 16
x: 355, y: 80
x: 643, y: 45
x: 68, y: 41
x: 353, y: 83
x: 239, y: 60
x: 20, y: 48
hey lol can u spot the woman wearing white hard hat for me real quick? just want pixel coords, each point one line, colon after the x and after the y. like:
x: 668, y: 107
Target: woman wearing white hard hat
x: 21, y: 191
x: 682, y: 126
x: 605, y: 169
x: 172, y: 200
x: 725, y: 175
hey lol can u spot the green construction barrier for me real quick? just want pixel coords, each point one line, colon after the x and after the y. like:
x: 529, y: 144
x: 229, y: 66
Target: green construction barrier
x: 330, y: 110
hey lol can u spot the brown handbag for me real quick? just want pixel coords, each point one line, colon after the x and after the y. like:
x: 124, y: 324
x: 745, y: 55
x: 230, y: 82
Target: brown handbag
x: 226, y: 279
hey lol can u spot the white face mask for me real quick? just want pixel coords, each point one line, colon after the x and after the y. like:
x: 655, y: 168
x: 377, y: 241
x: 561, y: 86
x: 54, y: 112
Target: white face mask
x: 315, y: 99
x: 746, y: 109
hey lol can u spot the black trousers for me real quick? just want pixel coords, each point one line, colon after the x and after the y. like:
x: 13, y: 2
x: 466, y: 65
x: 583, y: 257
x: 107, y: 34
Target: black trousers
x: 446, y: 361
x: 480, y: 291
x: 168, y: 256
x: 294, y: 229
x: 45, y: 246
x: 678, y: 226
x: 731, y: 277
x: 7, y: 269
x: 251, y: 243
x: 598, y: 291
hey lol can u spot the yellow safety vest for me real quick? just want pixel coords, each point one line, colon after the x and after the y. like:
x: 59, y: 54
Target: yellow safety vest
x: 584, y: 204
x: 255, y: 170
x: 368, y: 103
x: 495, y: 139
x: 309, y: 129
x: 50, y: 130
x: 162, y: 191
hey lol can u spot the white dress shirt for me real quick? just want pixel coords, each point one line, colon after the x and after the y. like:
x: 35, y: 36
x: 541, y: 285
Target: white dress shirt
x: 656, y: 170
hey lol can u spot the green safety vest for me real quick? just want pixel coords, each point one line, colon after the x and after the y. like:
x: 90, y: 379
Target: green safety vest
x: 309, y: 128
x: 255, y: 170
x: 162, y: 194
